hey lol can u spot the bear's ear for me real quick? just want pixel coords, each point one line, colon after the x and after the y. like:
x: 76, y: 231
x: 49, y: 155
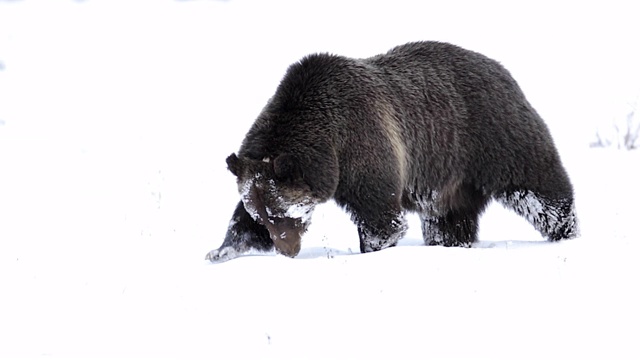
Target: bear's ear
x: 234, y: 164
x: 287, y: 167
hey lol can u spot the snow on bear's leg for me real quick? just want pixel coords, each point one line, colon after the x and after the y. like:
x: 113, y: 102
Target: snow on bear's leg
x: 430, y: 231
x: 222, y: 254
x: 554, y: 218
x: 385, y: 234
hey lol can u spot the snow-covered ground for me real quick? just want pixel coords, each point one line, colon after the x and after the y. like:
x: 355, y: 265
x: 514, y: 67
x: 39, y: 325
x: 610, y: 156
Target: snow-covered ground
x: 116, y: 117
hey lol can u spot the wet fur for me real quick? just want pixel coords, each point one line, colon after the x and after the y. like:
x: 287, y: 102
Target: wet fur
x: 427, y: 127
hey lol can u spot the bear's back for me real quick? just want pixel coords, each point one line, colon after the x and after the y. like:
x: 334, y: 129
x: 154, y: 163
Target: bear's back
x: 469, y: 113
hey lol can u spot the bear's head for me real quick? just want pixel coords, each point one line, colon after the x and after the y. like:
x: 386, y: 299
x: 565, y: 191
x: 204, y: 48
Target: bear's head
x: 276, y: 196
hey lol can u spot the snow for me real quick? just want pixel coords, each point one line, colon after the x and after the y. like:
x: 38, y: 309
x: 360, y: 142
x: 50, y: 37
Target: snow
x: 302, y: 211
x: 116, y: 118
x: 245, y: 188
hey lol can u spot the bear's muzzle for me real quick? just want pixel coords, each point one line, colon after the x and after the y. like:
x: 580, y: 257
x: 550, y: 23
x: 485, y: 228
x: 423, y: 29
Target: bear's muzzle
x: 284, y: 231
x: 286, y: 234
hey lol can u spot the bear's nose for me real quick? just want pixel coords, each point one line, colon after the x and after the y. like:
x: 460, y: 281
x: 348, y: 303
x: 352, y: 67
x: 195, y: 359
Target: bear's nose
x: 287, y: 248
x: 285, y: 234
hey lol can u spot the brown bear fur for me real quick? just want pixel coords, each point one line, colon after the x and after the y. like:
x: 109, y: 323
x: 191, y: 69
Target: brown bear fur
x: 427, y: 127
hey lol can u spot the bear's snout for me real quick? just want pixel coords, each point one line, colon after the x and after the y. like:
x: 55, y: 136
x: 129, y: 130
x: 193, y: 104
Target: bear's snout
x: 285, y: 234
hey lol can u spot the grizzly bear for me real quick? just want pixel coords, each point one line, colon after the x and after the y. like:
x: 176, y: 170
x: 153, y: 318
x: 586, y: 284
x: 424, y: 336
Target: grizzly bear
x: 428, y: 127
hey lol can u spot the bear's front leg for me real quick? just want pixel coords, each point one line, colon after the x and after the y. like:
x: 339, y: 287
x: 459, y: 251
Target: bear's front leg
x: 243, y: 235
x: 381, y: 233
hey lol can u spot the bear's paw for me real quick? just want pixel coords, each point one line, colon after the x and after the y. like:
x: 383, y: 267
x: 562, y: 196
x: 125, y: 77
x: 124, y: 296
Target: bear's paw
x: 221, y: 255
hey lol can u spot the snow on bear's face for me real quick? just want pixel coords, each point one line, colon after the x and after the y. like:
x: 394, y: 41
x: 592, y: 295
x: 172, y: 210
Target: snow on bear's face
x: 275, y: 195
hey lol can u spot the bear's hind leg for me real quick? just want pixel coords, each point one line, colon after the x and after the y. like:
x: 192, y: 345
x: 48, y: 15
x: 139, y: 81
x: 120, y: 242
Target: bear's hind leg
x: 553, y: 217
x: 456, y: 228
x: 243, y: 236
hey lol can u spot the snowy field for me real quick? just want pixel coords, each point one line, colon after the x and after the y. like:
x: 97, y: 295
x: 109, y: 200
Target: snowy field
x: 116, y: 118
